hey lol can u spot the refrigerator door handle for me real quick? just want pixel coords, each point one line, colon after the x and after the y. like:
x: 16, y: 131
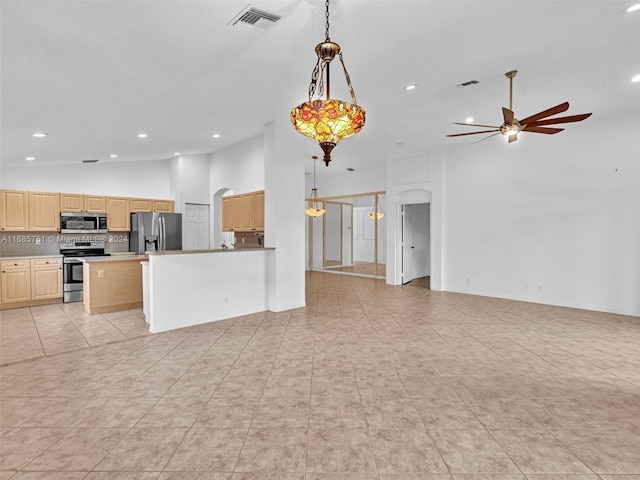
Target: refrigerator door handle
x: 164, y: 232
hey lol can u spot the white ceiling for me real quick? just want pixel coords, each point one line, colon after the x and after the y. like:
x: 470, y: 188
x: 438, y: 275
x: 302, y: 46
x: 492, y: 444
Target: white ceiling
x: 95, y: 73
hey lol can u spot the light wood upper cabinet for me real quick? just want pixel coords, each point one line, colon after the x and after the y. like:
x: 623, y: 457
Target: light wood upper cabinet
x: 258, y: 206
x: 243, y: 212
x: 46, y: 278
x: 227, y: 214
x: 71, y: 202
x: 95, y: 203
x: 236, y: 209
x: 118, y: 214
x: 16, y: 281
x: 77, y: 202
x: 151, y: 205
x: 167, y: 206
x: 248, y: 213
x: 14, y: 210
x: 141, y: 204
x: 44, y: 212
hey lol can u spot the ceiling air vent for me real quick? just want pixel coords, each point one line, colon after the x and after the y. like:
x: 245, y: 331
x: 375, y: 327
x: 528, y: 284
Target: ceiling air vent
x: 470, y: 82
x: 254, y: 19
x: 93, y: 160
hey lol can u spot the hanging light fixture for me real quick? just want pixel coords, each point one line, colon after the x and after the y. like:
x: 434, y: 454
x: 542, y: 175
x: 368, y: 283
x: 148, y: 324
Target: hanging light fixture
x: 328, y: 121
x: 376, y: 210
x: 315, y: 205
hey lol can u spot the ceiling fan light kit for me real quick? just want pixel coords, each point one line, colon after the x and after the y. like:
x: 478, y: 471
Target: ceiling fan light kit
x: 536, y: 123
x: 328, y: 121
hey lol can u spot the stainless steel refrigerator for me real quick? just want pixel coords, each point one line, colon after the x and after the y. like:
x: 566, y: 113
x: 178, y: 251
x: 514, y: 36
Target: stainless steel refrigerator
x: 155, y: 231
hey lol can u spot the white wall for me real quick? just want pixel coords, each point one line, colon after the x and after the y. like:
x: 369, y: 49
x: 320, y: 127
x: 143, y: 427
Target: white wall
x: 239, y: 167
x: 149, y: 179
x: 550, y: 219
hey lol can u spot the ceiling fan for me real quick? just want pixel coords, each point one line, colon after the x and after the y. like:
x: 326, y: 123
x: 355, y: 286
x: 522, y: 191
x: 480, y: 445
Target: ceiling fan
x: 534, y: 124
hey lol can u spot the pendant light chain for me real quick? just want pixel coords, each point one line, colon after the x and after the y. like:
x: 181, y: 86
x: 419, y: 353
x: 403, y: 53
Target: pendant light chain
x: 326, y: 30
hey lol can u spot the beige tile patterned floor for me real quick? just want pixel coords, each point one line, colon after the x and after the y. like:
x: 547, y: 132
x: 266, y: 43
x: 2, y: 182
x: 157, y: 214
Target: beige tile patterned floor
x: 367, y: 382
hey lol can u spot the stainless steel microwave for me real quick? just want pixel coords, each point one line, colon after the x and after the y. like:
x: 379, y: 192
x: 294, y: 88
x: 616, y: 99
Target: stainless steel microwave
x: 83, y: 223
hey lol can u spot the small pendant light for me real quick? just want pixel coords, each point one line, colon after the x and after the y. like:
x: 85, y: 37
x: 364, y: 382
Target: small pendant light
x: 376, y: 210
x: 315, y: 205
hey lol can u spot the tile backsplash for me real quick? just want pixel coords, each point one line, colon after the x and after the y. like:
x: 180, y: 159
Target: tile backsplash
x: 18, y: 244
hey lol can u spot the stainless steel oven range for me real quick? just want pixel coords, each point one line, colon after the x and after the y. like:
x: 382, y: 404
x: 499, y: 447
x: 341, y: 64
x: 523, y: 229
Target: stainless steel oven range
x: 71, y: 252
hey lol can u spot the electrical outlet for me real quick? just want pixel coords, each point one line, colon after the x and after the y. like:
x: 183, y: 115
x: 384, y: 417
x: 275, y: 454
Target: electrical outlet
x: 539, y: 288
x: 226, y: 299
x: 100, y: 273
x: 468, y: 281
x: 527, y: 287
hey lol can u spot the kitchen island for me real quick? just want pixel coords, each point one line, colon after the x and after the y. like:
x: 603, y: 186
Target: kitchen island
x: 112, y: 283
x: 191, y: 287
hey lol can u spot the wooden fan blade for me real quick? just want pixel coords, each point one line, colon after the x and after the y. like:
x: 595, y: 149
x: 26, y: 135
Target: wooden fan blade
x: 513, y: 138
x: 471, y: 133
x: 547, y: 130
x: 563, y: 107
x: 568, y: 119
x: 475, y: 125
x: 508, y: 116
x: 488, y: 136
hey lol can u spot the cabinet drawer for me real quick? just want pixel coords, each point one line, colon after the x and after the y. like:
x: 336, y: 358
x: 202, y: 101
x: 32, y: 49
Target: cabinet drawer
x: 22, y: 263
x: 46, y: 262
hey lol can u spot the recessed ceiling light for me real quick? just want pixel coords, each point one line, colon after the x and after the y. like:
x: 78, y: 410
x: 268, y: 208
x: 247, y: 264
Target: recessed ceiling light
x: 413, y: 86
x: 632, y: 8
x: 468, y: 120
x: 29, y: 159
x: 113, y: 155
x: 39, y: 134
x: 636, y: 79
x: 216, y: 135
x: 177, y: 153
x: 143, y: 135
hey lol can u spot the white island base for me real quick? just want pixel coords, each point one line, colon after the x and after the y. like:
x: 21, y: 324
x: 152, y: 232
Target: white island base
x: 187, y: 288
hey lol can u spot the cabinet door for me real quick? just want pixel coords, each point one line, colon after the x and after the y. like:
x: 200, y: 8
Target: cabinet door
x: 16, y: 285
x: 44, y: 212
x: 14, y: 210
x: 46, y: 278
x: 227, y: 214
x: 248, y: 213
x: 118, y: 214
x: 163, y: 206
x: 140, y: 204
x: 95, y: 204
x: 236, y: 203
x: 258, y: 208
x: 71, y: 202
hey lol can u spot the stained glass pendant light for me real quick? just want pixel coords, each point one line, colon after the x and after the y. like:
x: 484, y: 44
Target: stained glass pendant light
x: 315, y: 205
x: 329, y: 120
x: 376, y: 211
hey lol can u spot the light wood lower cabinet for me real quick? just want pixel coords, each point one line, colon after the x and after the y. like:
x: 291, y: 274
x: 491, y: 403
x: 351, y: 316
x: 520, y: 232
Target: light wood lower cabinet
x: 16, y: 281
x: 31, y: 281
x: 46, y: 278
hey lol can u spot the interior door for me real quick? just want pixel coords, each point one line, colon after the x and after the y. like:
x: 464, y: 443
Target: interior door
x: 407, y: 245
x: 197, y: 227
x: 416, y: 243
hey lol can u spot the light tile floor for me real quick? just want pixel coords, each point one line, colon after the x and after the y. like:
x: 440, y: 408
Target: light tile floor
x: 367, y: 382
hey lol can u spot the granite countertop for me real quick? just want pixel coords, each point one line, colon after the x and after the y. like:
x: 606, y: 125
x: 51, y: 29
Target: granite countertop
x: 113, y: 258
x: 217, y: 250
x: 21, y: 257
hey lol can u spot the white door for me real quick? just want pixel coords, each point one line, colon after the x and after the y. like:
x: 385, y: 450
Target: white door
x: 197, y: 227
x: 416, y: 241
